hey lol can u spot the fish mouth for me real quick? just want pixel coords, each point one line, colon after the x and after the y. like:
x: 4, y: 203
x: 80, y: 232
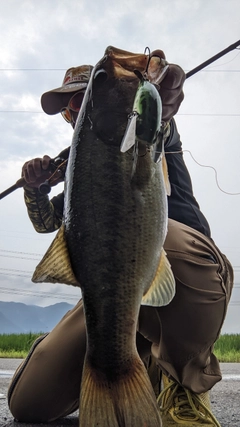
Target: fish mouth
x: 121, y: 64
x: 116, y: 79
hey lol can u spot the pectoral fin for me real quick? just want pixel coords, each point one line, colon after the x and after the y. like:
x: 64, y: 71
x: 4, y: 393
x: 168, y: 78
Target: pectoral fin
x: 162, y: 289
x: 55, y: 267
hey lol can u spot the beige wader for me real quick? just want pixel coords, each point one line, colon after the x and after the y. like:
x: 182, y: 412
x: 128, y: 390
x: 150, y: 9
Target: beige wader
x: 177, y: 339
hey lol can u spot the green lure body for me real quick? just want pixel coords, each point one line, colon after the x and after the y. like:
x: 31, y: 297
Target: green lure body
x: 148, y: 106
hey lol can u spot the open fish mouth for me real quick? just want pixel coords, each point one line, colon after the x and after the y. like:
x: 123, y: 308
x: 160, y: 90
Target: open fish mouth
x: 143, y: 74
x: 121, y: 64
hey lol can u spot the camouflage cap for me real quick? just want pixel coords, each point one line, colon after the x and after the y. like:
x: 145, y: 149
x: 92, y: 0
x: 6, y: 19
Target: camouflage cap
x: 75, y: 79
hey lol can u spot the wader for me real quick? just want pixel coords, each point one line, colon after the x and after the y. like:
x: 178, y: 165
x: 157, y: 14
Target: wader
x: 177, y: 339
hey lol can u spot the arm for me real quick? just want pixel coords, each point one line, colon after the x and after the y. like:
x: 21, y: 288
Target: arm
x: 45, y: 215
x: 182, y: 205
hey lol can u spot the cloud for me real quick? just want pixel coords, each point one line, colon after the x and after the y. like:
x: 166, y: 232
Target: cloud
x: 40, y: 40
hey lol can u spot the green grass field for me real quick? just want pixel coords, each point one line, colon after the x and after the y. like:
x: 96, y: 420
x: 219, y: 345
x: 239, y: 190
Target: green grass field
x: 16, y: 345
x: 227, y: 348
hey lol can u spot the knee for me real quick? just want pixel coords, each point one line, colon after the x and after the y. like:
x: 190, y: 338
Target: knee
x: 27, y: 407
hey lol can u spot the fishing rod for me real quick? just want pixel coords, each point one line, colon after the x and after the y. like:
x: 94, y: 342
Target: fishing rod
x: 57, y: 168
x: 58, y: 164
x: 212, y: 59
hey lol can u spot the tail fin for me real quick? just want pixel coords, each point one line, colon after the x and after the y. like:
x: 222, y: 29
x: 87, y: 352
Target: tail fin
x: 128, y: 402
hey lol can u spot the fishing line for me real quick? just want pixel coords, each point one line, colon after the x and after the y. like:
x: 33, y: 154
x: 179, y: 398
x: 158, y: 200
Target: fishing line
x: 204, y: 166
x: 224, y: 63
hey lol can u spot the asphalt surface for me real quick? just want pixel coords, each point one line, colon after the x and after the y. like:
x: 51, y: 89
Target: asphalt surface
x: 225, y: 398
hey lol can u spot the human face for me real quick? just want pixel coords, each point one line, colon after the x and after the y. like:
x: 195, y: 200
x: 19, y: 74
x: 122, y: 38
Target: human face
x: 70, y: 112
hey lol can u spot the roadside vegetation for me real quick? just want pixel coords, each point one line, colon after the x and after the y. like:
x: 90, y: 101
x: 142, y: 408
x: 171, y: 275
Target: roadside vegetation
x: 226, y: 349
x: 16, y: 346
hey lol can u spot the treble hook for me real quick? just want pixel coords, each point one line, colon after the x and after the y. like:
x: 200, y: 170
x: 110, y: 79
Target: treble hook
x: 144, y: 76
x: 163, y: 63
x: 149, y: 58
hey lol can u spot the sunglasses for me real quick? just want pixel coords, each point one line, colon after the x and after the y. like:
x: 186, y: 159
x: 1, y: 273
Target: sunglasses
x: 73, y: 105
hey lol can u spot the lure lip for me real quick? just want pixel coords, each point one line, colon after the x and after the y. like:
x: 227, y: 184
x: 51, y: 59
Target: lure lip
x: 163, y: 72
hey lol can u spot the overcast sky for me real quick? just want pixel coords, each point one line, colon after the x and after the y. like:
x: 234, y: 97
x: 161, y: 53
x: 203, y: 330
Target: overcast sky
x: 41, y: 39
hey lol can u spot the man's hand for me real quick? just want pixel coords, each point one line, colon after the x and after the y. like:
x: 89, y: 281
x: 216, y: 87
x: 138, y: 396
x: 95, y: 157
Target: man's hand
x: 171, y: 91
x: 36, y: 171
x: 171, y: 88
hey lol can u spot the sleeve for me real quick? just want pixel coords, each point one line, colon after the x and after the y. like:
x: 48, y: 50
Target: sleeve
x: 46, y: 215
x: 182, y: 205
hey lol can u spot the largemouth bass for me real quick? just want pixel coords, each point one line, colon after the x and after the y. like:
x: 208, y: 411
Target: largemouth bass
x: 111, y: 243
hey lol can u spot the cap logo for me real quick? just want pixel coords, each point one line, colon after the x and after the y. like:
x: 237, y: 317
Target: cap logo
x: 75, y: 79
x: 78, y: 74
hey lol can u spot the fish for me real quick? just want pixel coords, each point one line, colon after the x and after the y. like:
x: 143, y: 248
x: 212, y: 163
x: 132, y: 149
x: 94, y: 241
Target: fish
x: 111, y: 243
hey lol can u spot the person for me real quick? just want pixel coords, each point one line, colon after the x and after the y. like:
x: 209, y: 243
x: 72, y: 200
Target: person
x: 176, y: 341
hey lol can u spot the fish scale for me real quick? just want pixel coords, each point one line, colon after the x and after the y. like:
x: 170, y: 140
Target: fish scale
x: 115, y: 223
x: 110, y: 233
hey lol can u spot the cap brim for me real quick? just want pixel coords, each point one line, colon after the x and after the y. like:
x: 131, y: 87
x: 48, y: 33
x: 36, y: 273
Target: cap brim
x: 53, y: 101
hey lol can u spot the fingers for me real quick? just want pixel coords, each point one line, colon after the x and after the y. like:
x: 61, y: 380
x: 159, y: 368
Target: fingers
x: 159, y: 53
x: 171, y: 91
x: 36, y: 171
x: 170, y: 88
x: 46, y: 162
x: 174, y: 77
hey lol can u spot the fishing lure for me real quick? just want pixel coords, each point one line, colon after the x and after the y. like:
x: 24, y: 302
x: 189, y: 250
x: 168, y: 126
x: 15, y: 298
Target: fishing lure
x: 144, y: 123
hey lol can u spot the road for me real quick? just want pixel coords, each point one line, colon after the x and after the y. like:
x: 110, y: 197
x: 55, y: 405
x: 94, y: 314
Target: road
x: 225, y: 397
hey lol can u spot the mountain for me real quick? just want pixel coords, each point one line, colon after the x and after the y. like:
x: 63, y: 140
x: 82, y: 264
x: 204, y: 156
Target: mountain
x: 16, y: 317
